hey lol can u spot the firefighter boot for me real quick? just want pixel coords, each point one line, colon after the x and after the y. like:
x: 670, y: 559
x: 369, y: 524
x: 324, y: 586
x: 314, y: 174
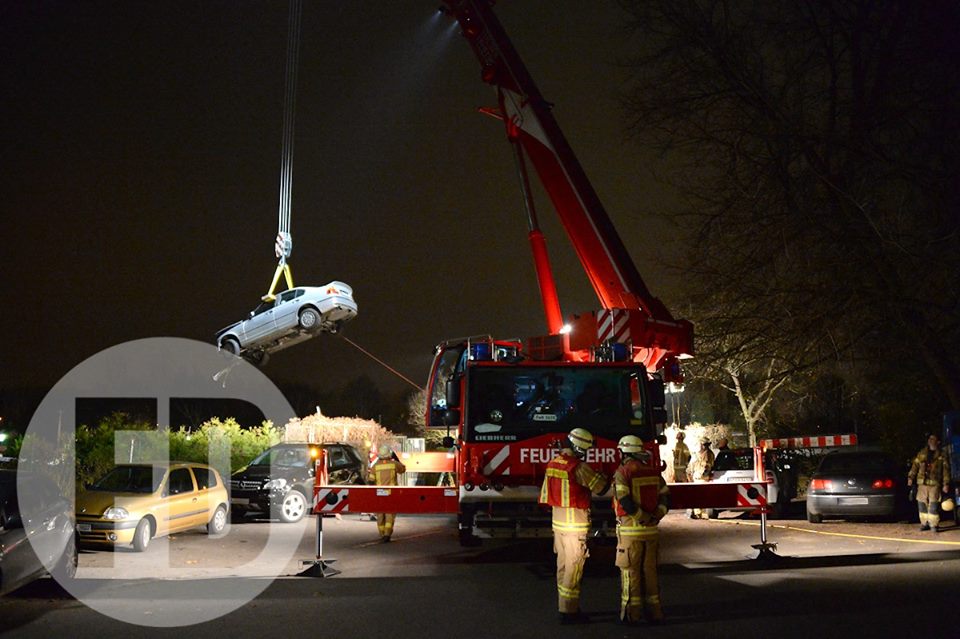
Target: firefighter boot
x: 572, y: 618
x: 653, y: 615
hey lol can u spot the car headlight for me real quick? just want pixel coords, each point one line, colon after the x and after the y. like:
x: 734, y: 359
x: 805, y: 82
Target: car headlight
x: 115, y: 512
x: 275, y: 484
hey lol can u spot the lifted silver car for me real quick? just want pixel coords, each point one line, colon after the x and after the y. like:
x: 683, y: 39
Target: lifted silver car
x: 294, y: 316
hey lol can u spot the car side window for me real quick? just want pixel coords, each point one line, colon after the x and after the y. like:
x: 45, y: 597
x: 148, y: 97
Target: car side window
x: 286, y: 296
x: 338, y: 458
x: 206, y: 478
x: 352, y: 454
x: 181, y: 481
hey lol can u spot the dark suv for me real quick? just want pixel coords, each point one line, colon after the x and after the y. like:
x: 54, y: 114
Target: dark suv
x: 279, y: 482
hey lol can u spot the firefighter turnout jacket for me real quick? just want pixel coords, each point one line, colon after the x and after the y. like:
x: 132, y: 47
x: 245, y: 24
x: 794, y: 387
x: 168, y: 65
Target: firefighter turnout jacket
x: 930, y: 468
x: 386, y: 471
x: 646, y: 488
x: 567, y: 488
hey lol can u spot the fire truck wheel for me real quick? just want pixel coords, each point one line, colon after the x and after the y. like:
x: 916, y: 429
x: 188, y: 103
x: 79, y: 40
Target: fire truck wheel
x: 292, y: 508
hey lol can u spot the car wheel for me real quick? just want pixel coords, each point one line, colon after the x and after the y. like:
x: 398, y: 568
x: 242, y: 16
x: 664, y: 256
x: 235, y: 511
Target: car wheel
x: 230, y: 345
x: 309, y: 319
x: 142, y: 536
x: 293, y: 507
x: 814, y: 518
x: 66, y: 566
x: 218, y: 522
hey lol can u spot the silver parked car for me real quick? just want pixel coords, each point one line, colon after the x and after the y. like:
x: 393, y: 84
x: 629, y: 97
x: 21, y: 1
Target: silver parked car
x: 51, y: 544
x: 856, y: 484
x: 294, y: 316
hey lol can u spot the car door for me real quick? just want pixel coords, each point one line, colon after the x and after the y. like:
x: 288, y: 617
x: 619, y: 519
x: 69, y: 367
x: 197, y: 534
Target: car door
x: 180, y: 506
x: 207, y: 484
x: 287, y: 314
x: 17, y: 559
x: 261, y: 325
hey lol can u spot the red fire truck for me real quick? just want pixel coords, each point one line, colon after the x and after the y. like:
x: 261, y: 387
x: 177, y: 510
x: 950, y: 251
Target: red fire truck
x: 507, y: 404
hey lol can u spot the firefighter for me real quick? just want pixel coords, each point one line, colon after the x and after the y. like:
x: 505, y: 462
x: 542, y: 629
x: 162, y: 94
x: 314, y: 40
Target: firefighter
x: 384, y: 473
x: 932, y: 474
x: 640, y: 500
x: 567, y: 487
x: 681, y: 459
x: 699, y: 471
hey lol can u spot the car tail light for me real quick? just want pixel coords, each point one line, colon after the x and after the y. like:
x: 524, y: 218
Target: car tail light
x: 820, y: 484
x: 883, y: 483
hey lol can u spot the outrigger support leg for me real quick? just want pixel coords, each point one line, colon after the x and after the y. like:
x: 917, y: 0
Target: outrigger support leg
x: 319, y: 567
x: 766, y: 550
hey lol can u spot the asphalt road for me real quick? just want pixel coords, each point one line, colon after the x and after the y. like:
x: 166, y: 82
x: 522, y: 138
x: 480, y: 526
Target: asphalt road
x: 830, y: 580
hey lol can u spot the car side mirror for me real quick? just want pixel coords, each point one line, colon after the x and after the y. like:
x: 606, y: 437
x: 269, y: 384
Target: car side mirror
x: 252, y: 314
x: 453, y: 391
x: 448, y: 442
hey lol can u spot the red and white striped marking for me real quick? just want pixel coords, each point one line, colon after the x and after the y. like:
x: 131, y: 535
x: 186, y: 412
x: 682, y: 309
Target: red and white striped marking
x: 613, y: 324
x: 823, y: 441
x: 320, y: 504
x: 500, y: 464
x: 744, y: 491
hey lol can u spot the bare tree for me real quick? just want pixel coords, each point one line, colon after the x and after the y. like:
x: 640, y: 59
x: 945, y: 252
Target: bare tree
x: 817, y: 147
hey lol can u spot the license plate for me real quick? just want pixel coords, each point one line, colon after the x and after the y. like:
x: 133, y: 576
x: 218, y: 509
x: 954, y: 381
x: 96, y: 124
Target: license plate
x: 83, y: 527
x: 854, y: 501
x: 240, y: 501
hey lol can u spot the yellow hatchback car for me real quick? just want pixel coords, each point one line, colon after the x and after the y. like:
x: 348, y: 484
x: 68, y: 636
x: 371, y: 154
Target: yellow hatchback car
x: 134, y: 503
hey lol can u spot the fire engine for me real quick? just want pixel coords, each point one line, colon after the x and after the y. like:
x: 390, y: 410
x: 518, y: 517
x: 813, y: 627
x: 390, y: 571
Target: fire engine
x: 506, y: 404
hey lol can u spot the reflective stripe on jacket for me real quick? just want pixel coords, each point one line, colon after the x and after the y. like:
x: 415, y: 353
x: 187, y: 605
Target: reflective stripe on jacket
x: 638, y: 480
x: 560, y: 486
x: 385, y: 472
x: 648, y: 490
x: 934, y: 472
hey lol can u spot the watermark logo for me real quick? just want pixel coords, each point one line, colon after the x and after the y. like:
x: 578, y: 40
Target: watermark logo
x: 151, y: 588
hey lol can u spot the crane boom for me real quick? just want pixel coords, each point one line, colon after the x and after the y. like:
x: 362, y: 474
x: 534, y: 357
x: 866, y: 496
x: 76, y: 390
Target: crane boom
x: 657, y: 338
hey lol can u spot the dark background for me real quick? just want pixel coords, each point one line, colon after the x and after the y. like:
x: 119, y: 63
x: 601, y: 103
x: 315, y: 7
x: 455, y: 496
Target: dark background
x: 142, y: 146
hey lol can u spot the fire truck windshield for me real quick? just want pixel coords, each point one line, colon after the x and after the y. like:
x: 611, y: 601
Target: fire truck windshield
x: 507, y: 403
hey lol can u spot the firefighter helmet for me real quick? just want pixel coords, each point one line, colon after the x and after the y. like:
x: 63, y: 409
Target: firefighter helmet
x: 680, y: 436
x: 580, y: 441
x: 384, y: 451
x: 947, y: 505
x: 630, y: 445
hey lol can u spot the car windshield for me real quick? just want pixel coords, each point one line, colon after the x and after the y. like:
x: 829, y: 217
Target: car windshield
x: 510, y: 404
x: 297, y: 456
x: 129, y: 479
x: 736, y: 460
x: 855, y: 464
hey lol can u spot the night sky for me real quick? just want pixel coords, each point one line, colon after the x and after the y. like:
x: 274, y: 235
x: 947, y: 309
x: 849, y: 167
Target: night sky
x: 141, y: 160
